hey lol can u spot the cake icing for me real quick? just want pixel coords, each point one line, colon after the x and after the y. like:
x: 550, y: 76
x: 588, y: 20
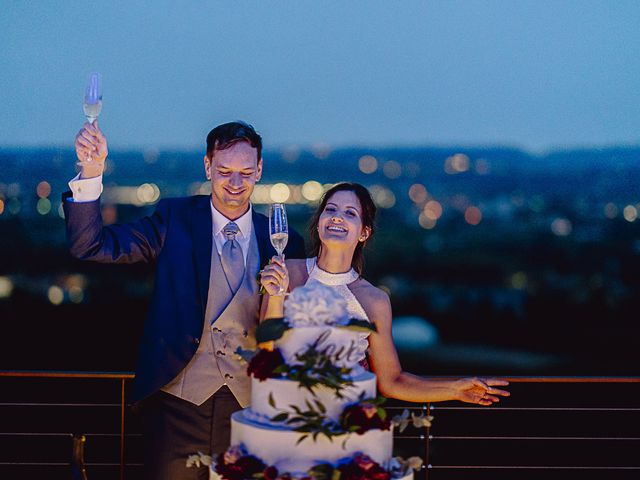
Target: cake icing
x: 314, y: 409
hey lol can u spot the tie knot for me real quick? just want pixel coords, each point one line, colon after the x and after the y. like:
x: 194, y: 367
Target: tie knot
x: 230, y: 231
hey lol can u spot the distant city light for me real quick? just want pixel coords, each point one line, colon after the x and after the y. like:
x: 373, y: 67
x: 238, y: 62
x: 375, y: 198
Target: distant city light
x: 76, y: 294
x: 43, y: 190
x: 291, y: 153
x: 13, y: 189
x: 14, y: 206
x: 473, y: 215
x: 6, y: 287
x: 151, y: 155
x: 43, y: 206
x: 432, y: 210
x: 321, y: 150
x: 312, y: 190
x: 382, y: 196
x: 392, y: 169
x: 368, y: 164
x: 519, y: 281
x: 426, y: 222
x: 55, y: 295
x: 610, y: 210
x: 482, y: 166
x: 418, y: 193
x: 280, y: 193
x: 630, y: 213
x: 1, y: 206
x: 457, y: 163
x: 60, y: 210
x: 261, y: 194
x: 561, y: 227
x: 148, y: 193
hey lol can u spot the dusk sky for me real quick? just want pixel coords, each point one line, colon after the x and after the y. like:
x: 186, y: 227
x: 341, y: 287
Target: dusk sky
x: 530, y: 74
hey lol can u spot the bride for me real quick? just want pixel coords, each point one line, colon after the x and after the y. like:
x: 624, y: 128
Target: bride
x: 340, y: 228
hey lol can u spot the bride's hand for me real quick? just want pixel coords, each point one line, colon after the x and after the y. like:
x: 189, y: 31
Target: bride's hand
x: 480, y: 390
x: 275, y: 276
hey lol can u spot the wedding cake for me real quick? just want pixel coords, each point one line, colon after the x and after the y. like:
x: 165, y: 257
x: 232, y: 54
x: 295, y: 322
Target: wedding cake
x: 314, y: 408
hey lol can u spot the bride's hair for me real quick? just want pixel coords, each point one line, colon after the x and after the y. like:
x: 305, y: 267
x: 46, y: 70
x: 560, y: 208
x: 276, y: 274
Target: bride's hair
x: 368, y: 216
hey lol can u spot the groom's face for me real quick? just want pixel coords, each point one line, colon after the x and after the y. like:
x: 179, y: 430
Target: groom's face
x: 233, y: 173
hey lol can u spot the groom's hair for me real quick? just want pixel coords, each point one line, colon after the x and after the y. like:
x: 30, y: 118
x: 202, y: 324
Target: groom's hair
x: 368, y: 216
x: 228, y: 134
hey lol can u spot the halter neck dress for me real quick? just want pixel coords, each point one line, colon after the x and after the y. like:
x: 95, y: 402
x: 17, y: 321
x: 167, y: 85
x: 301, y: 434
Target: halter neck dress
x: 339, y: 282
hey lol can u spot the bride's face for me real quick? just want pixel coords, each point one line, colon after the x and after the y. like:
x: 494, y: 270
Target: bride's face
x: 340, y: 222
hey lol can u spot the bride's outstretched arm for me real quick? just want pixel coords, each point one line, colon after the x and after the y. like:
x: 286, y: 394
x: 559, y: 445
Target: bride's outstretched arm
x: 393, y: 382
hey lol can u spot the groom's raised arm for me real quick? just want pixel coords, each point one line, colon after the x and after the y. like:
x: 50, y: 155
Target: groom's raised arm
x: 88, y: 239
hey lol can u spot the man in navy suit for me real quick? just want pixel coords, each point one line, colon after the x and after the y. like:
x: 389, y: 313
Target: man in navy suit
x: 208, y: 251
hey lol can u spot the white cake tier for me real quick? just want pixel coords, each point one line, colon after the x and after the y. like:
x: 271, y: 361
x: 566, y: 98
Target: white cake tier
x: 277, y: 445
x: 287, y: 392
x: 344, y: 347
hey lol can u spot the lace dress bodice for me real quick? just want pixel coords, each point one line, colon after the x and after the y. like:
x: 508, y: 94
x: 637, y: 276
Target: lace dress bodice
x: 339, y: 282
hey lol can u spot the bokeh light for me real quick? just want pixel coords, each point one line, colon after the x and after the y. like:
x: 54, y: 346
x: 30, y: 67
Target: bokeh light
x: 473, y: 215
x: 418, y: 193
x: 392, y: 169
x: 148, y: 193
x: 43, y: 206
x: 368, y: 164
x: 43, y: 190
x: 432, y: 210
x: 610, y: 210
x: 630, y: 213
x: 312, y: 190
x: 561, y: 227
x: 6, y: 287
x: 55, y: 295
x: 279, y: 193
x: 382, y: 196
x: 426, y: 222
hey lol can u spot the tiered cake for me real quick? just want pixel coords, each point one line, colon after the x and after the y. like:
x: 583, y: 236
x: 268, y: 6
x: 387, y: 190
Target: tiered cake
x: 314, y: 410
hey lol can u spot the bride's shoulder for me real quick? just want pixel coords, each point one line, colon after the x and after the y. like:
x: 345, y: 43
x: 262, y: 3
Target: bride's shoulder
x: 369, y: 295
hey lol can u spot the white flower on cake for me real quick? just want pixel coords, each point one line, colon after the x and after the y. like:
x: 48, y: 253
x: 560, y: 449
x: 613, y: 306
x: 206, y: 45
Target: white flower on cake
x: 315, y: 304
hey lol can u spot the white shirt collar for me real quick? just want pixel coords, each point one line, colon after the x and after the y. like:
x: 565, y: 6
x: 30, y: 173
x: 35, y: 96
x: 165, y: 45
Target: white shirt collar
x: 244, y: 223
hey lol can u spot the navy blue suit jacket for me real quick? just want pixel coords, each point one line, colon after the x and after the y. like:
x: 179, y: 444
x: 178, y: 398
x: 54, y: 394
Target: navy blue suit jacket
x: 178, y: 238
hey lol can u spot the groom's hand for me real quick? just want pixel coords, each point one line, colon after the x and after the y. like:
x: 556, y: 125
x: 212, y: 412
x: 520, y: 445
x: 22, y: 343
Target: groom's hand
x: 91, y: 150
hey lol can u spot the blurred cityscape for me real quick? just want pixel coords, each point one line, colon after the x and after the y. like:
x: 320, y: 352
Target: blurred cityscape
x: 497, y: 261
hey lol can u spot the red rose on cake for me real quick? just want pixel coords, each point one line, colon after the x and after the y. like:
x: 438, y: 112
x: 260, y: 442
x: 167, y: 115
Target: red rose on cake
x: 364, y: 416
x: 264, y: 364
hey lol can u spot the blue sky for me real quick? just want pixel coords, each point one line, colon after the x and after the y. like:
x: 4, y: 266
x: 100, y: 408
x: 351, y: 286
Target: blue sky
x: 530, y: 74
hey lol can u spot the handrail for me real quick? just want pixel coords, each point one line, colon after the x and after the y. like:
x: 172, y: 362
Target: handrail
x: 123, y: 377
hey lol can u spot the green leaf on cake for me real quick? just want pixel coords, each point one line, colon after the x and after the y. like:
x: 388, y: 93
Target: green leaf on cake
x: 359, y: 326
x: 302, y: 438
x: 272, y: 402
x: 281, y: 417
x: 271, y: 329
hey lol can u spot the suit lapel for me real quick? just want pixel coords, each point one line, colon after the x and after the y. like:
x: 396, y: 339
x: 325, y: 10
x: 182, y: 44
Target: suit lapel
x: 261, y: 228
x: 202, y: 237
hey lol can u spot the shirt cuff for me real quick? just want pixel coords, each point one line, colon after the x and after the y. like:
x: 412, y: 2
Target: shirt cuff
x: 86, y: 189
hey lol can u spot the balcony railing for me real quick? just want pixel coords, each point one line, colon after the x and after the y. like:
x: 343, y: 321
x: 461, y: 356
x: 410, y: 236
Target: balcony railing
x: 551, y: 427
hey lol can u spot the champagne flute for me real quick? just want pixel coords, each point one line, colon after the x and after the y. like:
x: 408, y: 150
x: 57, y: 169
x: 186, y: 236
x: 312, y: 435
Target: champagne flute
x: 92, y: 103
x: 278, y: 230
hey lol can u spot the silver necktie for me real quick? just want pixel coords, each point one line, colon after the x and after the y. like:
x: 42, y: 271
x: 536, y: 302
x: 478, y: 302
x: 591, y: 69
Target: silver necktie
x: 231, y: 257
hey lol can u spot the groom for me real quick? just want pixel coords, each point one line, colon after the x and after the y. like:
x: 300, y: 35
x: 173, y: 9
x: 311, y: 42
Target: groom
x: 208, y: 251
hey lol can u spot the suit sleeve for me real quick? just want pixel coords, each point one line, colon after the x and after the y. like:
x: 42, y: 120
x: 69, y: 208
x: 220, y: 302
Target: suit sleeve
x: 88, y: 239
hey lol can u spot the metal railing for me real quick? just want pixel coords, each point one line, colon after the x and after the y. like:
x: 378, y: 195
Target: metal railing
x: 121, y: 379
x: 474, y: 431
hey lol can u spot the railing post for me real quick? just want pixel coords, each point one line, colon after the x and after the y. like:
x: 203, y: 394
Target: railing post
x: 122, y: 413
x: 426, y: 445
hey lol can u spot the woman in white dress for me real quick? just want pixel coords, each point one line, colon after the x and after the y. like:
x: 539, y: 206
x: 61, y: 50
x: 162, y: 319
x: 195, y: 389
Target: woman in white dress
x: 340, y: 228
